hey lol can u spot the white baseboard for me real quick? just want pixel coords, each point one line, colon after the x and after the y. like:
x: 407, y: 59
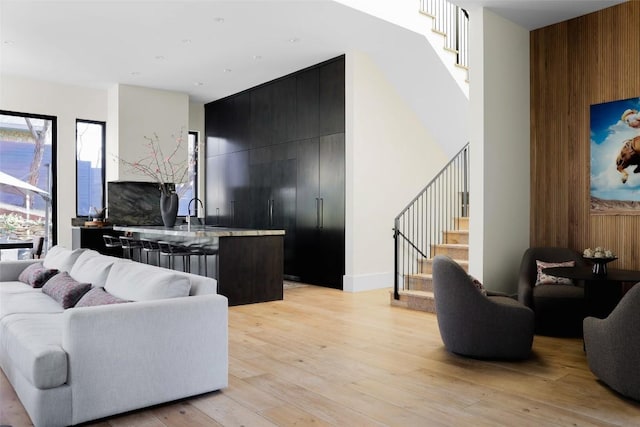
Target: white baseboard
x: 367, y: 282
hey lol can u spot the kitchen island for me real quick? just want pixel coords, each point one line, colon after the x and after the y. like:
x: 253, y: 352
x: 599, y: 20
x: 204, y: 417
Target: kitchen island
x: 249, y: 262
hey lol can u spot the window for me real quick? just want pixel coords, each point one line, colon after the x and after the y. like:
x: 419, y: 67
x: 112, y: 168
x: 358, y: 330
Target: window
x: 189, y: 190
x: 90, y: 146
x: 27, y: 177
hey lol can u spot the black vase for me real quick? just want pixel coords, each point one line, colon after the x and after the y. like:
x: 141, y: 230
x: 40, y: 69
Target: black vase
x: 169, y: 208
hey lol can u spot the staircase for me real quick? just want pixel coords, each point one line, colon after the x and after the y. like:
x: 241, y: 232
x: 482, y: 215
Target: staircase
x: 418, y: 287
x: 434, y: 223
x: 451, y: 23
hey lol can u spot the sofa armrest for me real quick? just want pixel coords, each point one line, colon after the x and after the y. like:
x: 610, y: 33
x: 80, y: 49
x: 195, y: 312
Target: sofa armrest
x: 127, y: 356
x: 10, y: 270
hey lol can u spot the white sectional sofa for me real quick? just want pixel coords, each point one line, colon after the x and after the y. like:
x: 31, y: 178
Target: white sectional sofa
x: 78, y: 364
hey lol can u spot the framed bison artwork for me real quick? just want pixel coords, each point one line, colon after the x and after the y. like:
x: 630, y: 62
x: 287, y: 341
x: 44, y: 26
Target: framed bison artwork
x: 615, y: 157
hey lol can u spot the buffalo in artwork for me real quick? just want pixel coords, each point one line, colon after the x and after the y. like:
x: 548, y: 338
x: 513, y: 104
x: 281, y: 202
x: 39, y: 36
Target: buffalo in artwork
x: 629, y: 155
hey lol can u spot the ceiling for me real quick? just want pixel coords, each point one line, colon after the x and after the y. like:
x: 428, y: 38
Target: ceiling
x: 207, y: 48
x: 532, y: 14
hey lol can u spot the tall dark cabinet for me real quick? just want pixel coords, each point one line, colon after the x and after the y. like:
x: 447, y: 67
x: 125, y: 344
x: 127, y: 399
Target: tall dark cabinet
x: 276, y: 159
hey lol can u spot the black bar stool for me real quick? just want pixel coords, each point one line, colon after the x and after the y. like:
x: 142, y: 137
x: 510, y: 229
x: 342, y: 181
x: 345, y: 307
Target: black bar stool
x: 150, y: 247
x: 206, y: 250
x: 111, y: 241
x: 131, y: 247
x: 173, y: 250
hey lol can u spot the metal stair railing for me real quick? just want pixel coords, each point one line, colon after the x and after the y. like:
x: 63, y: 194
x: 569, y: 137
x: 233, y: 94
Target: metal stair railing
x: 453, y: 22
x: 420, y: 225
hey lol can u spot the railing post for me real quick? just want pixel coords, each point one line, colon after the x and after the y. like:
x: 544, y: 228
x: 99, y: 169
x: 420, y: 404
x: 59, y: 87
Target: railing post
x: 465, y: 183
x: 396, y: 241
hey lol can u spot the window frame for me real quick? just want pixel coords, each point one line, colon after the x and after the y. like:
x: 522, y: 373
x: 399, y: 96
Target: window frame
x: 53, y: 171
x: 196, y: 154
x: 103, y: 165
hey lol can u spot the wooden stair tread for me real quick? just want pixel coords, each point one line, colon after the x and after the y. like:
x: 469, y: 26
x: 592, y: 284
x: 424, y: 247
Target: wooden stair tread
x: 421, y: 275
x: 420, y: 294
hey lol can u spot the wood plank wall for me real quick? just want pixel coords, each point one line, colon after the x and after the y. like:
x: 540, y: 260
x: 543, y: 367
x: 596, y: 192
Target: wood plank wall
x: 574, y: 64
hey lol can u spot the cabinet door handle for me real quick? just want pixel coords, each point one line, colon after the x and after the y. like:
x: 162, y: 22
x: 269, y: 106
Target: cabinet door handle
x: 321, y: 213
x: 317, y: 212
x: 270, y: 206
x: 217, y: 216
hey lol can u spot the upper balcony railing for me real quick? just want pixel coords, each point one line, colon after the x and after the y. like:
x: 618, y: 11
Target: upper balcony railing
x: 453, y: 22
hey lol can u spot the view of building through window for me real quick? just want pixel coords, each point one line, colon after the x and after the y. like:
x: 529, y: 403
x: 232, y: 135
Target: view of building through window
x: 189, y: 190
x: 90, y: 146
x: 26, y: 181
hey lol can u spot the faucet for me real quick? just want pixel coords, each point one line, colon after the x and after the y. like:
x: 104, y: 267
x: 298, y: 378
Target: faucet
x: 189, y: 211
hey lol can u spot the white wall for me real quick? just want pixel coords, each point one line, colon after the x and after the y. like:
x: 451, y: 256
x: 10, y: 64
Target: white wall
x: 390, y: 156
x: 144, y: 112
x: 499, y: 149
x: 67, y: 103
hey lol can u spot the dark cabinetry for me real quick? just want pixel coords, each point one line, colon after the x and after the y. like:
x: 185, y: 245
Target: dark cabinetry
x: 285, y: 169
x: 320, y: 210
x: 91, y: 238
x: 227, y: 190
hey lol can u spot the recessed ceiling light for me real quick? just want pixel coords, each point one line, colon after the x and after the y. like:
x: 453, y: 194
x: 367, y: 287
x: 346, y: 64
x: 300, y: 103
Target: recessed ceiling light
x: 227, y: 70
x: 198, y: 83
x: 160, y: 57
x: 186, y: 41
x: 294, y: 40
x: 135, y: 73
x: 8, y: 42
x: 219, y: 20
x: 257, y: 57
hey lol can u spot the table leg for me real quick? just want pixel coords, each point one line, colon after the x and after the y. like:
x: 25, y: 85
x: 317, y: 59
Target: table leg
x: 601, y: 297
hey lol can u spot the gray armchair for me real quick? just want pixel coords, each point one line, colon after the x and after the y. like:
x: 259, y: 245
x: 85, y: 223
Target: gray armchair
x: 559, y: 309
x: 613, y: 345
x: 475, y: 325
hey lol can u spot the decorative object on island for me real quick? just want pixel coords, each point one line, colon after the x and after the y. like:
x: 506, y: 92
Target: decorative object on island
x: 599, y: 257
x: 170, y: 171
x: 168, y: 204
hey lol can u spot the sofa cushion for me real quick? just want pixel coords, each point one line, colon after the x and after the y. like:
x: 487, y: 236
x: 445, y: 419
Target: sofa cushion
x: 27, y: 302
x: 33, y: 344
x: 65, y: 290
x: 14, y: 287
x: 36, y: 275
x: 92, y: 267
x: 98, y: 296
x: 61, y: 258
x: 138, y: 282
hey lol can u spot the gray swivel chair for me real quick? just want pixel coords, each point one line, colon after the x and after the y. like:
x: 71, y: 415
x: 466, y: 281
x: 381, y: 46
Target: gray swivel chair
x: 559, y: 309
x: 476, y: 325
x: 613, y: 345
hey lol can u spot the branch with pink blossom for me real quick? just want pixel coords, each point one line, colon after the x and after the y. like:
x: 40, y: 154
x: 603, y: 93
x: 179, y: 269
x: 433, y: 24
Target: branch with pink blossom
x: 168, y: 170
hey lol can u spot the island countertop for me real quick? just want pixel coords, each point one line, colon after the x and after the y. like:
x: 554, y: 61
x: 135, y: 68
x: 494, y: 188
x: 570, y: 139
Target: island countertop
x: 197, y: 231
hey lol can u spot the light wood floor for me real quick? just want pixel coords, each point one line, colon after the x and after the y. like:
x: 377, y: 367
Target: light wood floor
x: 327, y: 358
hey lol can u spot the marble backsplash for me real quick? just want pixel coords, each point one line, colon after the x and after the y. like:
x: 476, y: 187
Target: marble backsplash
x: 133, y: 203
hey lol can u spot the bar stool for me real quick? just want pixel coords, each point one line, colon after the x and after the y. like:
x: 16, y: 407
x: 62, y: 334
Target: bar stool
x: 111, y: 241
x: 173, y: 250
x: 150, y: 247
x: 130, y: 247
x: 206, y: 250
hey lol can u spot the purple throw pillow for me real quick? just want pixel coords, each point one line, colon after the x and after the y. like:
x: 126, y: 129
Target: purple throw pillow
x: 98, y: 296
x: 36, y: 275
x: 64, y: 289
